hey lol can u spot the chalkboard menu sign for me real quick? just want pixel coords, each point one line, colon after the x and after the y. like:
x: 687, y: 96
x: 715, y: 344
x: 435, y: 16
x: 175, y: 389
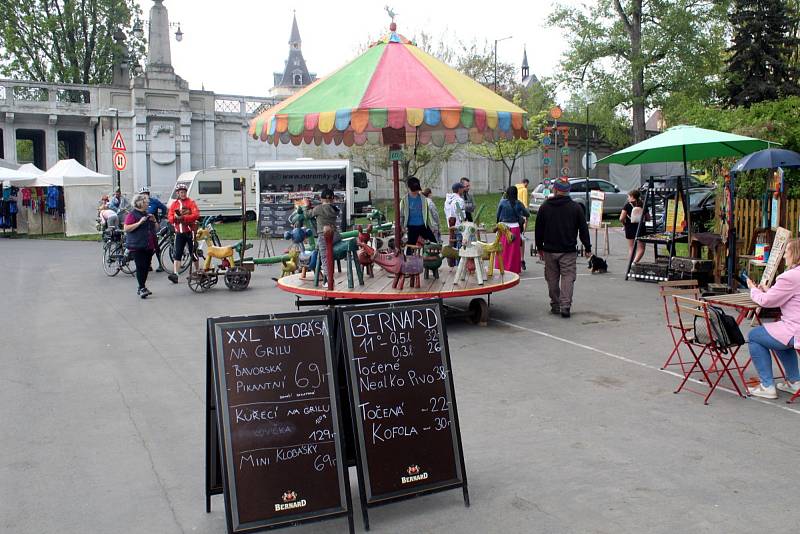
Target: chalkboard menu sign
x: 279, y: 420
x: 403, y: 401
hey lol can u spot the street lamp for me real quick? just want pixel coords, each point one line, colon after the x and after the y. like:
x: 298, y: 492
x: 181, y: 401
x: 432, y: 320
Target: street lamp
x: 138, y: 29
x: 115, y: 111
x: 495, y: 59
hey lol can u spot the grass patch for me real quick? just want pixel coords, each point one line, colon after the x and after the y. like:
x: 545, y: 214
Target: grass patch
x: 58, y: 237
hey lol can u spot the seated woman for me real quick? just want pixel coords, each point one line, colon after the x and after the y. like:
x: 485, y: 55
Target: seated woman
x: 108, y: 217
x: 782, y: 336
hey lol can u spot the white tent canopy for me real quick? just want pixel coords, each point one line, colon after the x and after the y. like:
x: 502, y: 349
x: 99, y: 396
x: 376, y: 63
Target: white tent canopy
x: 16, y: 178
x: 82, y: 190
x: 68, y: 172
x: 30, y: 168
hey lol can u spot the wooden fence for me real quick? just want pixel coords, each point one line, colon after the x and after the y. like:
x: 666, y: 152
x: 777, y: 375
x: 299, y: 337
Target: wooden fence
x: 748, y: 218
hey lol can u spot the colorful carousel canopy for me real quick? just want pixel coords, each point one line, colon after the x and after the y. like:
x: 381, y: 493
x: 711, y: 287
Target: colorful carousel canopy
x: 394, y: 85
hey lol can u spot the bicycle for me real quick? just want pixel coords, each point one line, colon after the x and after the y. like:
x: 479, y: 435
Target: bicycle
x: 115, y: 254
x: 166, y: 244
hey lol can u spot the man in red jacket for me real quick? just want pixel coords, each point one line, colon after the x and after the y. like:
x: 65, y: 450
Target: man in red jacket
x: 183, y: 215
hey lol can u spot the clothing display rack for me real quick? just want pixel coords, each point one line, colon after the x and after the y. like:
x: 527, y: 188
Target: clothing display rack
x: 660, y: 270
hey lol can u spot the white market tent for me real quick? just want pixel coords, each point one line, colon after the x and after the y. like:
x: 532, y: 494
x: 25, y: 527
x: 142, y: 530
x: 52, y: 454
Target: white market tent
x: 82, y: 190
x: 30, y: 168
x: 16, y: 177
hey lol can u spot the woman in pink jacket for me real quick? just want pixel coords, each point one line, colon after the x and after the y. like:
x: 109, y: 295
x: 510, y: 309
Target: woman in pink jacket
x: 782, y: 336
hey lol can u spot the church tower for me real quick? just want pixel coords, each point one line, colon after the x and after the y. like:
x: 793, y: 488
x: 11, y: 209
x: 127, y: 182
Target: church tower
x: 528, y: 79
x: 525, y: 69
x: 295, y: 74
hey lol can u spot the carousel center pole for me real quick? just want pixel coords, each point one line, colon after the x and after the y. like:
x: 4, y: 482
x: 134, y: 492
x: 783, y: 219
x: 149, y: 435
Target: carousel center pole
x: 398, y: 232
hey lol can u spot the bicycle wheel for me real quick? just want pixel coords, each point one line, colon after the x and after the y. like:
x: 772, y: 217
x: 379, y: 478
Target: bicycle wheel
x: 126, y: 263
x: 167, y: 258
x: 110, y: 265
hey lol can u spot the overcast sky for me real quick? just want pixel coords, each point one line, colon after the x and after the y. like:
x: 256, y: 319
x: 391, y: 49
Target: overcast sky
x: 233, y: 47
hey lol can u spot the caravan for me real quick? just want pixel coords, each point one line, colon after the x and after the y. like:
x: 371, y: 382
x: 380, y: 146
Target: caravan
x: 220, y: 191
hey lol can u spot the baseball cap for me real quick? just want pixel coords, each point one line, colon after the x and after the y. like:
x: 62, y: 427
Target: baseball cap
x: 458, y: 186
x: 144, y: 189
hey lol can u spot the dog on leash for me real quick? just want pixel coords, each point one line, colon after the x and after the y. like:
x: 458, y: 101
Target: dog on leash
x: 597, y: 264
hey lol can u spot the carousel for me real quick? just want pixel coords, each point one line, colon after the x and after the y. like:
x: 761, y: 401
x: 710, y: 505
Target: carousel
x: 395, y: 94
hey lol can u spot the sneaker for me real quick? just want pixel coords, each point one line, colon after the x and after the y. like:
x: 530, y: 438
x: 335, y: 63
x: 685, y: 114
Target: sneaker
x: 173, y: 278
x: 788, y: 387
x: 144, y: 293
x: 764, y: 393
x: 565, y: 313
x: 555, y: 310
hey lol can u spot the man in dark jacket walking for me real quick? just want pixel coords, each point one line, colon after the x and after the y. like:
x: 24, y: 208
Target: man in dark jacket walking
x: 559, y: 221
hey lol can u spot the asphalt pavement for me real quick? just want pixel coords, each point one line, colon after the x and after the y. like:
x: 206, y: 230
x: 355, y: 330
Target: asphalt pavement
x: 568, y: 425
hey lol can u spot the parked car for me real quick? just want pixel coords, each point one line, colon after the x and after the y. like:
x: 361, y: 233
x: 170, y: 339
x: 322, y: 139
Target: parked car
x: 702, y: 199
x: 614, y: 199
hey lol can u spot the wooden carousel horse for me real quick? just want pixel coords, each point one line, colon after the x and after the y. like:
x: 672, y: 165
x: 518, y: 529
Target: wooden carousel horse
x: 225, y: 254
x: 290, y: 264
x: 490, y: 251
x: 470, y: 255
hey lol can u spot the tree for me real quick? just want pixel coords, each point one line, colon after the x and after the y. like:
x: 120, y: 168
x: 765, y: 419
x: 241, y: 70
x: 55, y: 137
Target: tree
x: 760, y: 62
x: 66, y: 41
x: 536, y: 102
x: 632, y: 54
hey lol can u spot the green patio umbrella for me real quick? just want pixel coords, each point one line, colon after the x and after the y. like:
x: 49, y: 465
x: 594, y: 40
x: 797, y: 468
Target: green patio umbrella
x: 686, y: 143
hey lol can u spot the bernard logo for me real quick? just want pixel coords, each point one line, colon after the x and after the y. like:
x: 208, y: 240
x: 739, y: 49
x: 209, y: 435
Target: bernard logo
x: 414, y: 475
x: 290, y: 501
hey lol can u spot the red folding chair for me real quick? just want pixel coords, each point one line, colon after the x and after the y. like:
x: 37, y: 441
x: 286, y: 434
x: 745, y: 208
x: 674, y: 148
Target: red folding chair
x: 796, y: 395
x: 667, y: 290
x: 721, y: 361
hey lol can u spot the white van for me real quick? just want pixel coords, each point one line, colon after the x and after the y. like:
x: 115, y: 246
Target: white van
x: 314, y: 175
x: 219, y: 191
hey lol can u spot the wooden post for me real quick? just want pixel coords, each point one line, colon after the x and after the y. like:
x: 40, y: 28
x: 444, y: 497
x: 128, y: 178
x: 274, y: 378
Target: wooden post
x: 398, y: 233
x: 329, y: 259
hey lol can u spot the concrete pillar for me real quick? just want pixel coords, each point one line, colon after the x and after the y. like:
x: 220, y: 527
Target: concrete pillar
x: 158, y: 51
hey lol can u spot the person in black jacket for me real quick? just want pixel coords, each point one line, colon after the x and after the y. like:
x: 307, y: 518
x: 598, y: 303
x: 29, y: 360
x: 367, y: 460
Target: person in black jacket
x: 559, y: 221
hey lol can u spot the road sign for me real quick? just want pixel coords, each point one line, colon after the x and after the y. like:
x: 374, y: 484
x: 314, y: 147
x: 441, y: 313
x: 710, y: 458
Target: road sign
x: 592, y: 160
x: 564, y: 171
x: 120, y: 160
x: 555, y: 112
x: 547, y: 161
x: 565, y: 150
x: 118, y: 143
x: 395, y: 155
x: 547, y: 140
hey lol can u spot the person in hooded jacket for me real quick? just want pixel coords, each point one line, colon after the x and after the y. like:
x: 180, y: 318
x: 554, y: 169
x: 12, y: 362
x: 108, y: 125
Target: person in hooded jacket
x: 455, y: 215
x: 558, y: 223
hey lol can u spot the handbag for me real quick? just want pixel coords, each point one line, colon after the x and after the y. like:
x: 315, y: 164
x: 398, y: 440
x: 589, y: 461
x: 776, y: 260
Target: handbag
x: 725, y: 332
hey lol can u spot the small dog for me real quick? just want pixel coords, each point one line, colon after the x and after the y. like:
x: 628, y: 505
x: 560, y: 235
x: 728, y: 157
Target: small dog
x: 597, y: 264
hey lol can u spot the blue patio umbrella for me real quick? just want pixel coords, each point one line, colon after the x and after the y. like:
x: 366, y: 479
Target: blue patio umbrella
x: 769, y: 158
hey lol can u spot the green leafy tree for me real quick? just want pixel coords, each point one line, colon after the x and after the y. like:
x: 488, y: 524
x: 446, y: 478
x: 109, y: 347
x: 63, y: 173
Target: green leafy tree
x: 66, y: 41
x: 760, y: 63
x: 774, y: 120
x: 630, y: 55
x: 508, y: 151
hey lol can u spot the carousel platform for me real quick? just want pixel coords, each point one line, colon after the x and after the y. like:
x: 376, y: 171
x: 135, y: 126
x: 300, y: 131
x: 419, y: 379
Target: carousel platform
x: 380, y: 287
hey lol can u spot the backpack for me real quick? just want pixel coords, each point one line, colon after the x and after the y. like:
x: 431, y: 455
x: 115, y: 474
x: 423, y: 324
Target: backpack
x: 725, y: 332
